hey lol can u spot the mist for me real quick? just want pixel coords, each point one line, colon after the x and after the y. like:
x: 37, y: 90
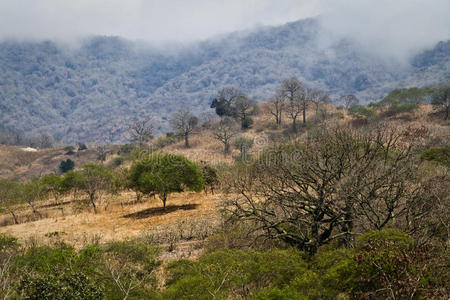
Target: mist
x: 396, y: 29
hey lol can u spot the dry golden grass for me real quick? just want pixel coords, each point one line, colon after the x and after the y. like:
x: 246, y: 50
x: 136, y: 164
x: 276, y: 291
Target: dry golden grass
x: 120, y: 220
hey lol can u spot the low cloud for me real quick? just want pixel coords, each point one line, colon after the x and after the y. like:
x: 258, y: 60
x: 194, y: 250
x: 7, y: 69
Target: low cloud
x: 396, y: 29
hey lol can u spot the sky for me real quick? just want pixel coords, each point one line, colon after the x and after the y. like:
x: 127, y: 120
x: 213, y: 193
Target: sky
x: 391, y: 27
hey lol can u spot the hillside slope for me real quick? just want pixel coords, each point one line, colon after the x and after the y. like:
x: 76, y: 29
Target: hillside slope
x: 91, y: 93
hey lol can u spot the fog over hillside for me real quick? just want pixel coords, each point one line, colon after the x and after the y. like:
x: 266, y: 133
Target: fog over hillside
x: 80, y: 88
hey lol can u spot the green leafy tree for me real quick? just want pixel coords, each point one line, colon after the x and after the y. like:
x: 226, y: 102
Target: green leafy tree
x: 10, y: 196
x: 163, y: 174
x: 53, y: 184
x: 95, y: 180
x: 32, y: 192
x: 210, y: 177
x: 441, y: 99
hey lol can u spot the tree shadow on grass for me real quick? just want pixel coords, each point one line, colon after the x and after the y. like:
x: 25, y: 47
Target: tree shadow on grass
x: 158, y: 211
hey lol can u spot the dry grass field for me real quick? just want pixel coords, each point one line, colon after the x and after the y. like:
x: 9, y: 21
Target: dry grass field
x: 187, y: 218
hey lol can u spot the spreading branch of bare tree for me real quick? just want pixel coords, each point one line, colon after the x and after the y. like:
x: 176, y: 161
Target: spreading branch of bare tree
x: 337, y: 184
x: 184, y: 122
x: 140, y: 132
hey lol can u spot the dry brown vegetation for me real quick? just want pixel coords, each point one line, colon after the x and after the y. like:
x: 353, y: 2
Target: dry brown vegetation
x: 121, y: 218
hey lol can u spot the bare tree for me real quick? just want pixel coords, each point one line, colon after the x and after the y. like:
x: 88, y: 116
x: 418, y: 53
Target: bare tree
x: 102, y: 152
x: 277, y: 106
x: 140, y: 132
x: 225, y: 131
x: 294, y: 92
x: 317, y: 97
x: 184, y: 122
x: 349, y: 100
x: 338, y: 185
x: 244, y: 107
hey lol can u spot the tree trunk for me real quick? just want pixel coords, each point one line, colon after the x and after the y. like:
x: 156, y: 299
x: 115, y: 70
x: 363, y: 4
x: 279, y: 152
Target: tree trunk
x: 227, y: 148
x: 446, y: 112
x: 186, y: 140
x: 16, y: 221
x: 304, y: 113
x: 294, y: 125
x: 164, y: 199
x: 92, y: 198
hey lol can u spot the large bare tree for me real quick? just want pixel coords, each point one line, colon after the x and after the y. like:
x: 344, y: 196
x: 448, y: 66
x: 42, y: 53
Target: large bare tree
x: 317, y: 97
x: 348, y: 100
x: 293, y: 92
x: 337, y: 185
x: 184, y: 122
x: 277, y: 106
x: 225, y: 131
x: 244, y: 108
x: 140, y: 132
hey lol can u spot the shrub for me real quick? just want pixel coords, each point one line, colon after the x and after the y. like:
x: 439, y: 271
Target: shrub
x: 7, y: 242
x: 56, y: 286
x: 359, y: 111
x: 66, y: 165
x: 82, y: 146
x: 387, y: 266
x: 403, y: 108
x: 69, y: 150
x: 164, y: 141
x: 233, y: 272
x: 126, y: 149
x: 439, y: 155
x: 247, y: 122
x: 118, y: 161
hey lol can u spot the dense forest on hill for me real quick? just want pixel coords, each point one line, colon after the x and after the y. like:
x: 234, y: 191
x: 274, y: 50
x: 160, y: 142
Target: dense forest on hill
x: 93, y: 91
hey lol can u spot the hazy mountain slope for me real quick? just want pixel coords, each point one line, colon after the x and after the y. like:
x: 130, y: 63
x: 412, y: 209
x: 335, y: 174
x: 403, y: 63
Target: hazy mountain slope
x: 92, y: 92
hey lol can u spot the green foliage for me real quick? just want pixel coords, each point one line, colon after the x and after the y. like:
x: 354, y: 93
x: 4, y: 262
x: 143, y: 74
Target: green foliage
x: 441, y: 99
x: 126, y: 149
x: 118, y: 161
x: 7, y: 242
x: 408, y: 96
x: 82, y: 146
x: 244, y: 144
x: 402, y: 108
x: 56, y: 286
x: 69, y: 150
x: 167, y: 140
x: 10, y: 193
x: 232, y: 272
x: 66, y: 165
x: 439, y: 155
x: 247, y: 122
x: 94, y: 179
x: 54, y: 185
x: 359, y: 111
x: 163, y: 174
x: 209, y: 175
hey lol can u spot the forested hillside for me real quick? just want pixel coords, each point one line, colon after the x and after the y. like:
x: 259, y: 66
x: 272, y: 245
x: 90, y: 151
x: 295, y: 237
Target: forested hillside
x: 93, y: 91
